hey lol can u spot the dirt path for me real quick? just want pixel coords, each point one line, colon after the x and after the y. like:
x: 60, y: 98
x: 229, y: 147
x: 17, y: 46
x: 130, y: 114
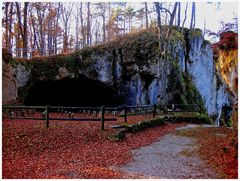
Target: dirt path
x: 173, y: 156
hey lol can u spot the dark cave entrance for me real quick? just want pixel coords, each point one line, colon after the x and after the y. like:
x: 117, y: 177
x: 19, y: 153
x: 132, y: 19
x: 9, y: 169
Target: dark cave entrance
x: 80, y: 91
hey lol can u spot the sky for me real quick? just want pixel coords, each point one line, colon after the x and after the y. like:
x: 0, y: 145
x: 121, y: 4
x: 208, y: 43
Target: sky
x: 213, y: 16
x: 210, y: 13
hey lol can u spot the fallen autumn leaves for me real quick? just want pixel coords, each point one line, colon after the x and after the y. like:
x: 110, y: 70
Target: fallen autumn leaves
x: 69, y: 149
x: 81, y: 150
x: 220, y: 147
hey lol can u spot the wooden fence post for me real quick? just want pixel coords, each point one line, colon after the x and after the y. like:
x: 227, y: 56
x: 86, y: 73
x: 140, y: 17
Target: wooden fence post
x: 125, y: 113
x: 200, y: 109
x: 154, y: 110
x: 47, y: 116
x: 102, y: 117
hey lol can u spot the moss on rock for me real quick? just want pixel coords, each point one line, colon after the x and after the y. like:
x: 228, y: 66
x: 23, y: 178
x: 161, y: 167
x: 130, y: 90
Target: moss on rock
x: 134, y: 128
x: 194, y: 33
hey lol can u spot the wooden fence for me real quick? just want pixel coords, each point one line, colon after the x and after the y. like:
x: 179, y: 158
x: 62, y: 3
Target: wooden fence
x: 102, y: 114
x: 183, y: 108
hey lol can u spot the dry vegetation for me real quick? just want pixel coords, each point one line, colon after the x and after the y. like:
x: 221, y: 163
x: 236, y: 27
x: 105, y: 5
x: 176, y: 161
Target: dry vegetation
x: 69, y: 149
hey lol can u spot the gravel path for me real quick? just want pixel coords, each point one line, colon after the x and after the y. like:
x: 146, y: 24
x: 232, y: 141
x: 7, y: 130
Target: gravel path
x: 172, y: 157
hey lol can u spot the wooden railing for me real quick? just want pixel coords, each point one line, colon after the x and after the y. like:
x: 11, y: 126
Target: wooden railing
x: 102, y: 114
x: 183, y: 108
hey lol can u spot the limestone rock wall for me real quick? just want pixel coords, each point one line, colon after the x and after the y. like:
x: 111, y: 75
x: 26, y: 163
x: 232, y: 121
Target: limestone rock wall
x: 133, y: 68
x: 202, y: 69
x: 9, y: 84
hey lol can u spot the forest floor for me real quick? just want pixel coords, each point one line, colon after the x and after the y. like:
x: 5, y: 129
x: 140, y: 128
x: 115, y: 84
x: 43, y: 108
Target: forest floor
x: 81, y: 150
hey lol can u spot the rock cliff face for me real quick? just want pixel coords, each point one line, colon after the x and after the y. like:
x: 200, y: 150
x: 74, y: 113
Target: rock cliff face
x: 9, y: 84
x: 131, y: 66
x: 202, y: 70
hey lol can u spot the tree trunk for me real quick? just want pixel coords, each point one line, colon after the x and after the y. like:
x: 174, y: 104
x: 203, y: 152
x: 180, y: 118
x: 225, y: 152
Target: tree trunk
x: 41, y: 33
x: 96, y: 33
x: 77, y: 36
x: 55, y: 41
x: 109, y: 19
x: 6, y: 25
x: 23, y: 27
x: 185, y: 16
x: 171, y: 21
x: 20, y: 30
x: 18, y: 38
x: 173, y: 14
x: 88, y: 24
x: 82, y: 25
x: 104, y: 26
x: 109, y: 10
x: 49, y: 37
x: 10, y: 28
x: 124, y: 20
x: 65, y: 39
x: 192, y: 25
x: 204, y: 27
x: 35, y: 44
x: 77, y: 28
x: 129, y: 23
x: 179, y: 14
x: 66, y: 13
x: 158, y: 9
x: 146, y: 14
x: 194, y: 18
x: 25, y: 33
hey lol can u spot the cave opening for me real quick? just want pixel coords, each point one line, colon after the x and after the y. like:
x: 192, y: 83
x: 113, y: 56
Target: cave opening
x: 77, y: 92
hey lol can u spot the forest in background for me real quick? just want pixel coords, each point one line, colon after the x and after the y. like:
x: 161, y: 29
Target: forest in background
x: 46, y: 28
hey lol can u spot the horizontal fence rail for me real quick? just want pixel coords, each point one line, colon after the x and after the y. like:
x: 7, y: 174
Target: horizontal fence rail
x: 94, y: 114
x: 183, y: 108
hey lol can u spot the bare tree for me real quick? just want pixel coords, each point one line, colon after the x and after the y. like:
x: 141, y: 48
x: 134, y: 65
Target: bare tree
x: 179, y: 14
x: 204, y: 29
x: 124, y: 18
x: 130, y: 13
x: 185, y: 16
x: 50, y: 28
x: 173, y: 13
x: 8, y: 15
x: 6, y: 24
x: 23, y: 27
x: 66, y: 13
x: 102, y: 7
x: 146, y: 13
x: 158, y: 10
x: 88, y: 24
x: 34, y: 33
x: 10, y: 27
x: 193, y: 17
x: 41, y: 15
x: 56, y: 28
x: 76, y: 16
x: 82, y: 25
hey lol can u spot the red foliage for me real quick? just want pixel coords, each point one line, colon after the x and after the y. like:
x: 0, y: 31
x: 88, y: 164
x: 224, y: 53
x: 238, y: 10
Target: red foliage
x: 69, y: 149
x: 228, y: 41
x: 220, y: 147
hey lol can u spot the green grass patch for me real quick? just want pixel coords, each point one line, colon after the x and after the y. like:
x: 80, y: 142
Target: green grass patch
x: 187, y: 132
x: 188, y: 153
x: 134, y: 128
